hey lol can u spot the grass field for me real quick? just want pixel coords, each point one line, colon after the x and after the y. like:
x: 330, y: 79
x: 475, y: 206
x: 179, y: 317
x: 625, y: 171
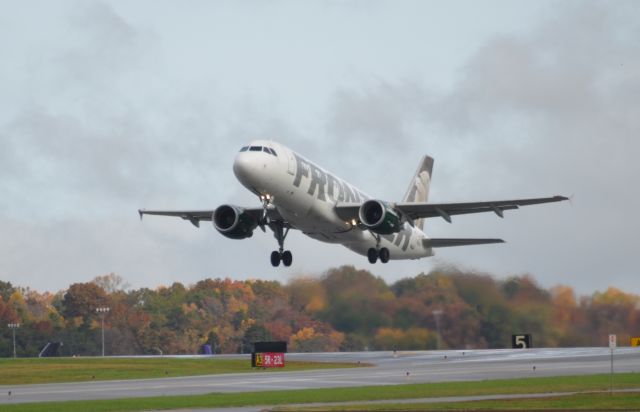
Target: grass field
x: 55, y: 370
x: 391, y: 392
x: 591, y: 401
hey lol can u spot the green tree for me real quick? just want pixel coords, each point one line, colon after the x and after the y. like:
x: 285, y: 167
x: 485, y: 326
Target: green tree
x: 356, y: 301
x: 255, y: 333
x: 6, y: 290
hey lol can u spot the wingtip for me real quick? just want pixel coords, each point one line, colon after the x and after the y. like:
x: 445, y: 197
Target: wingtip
x: 141, y: 213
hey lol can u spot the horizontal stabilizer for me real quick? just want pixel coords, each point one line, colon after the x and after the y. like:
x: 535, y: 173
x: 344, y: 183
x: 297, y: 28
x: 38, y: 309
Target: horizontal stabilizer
x: 458, y: 242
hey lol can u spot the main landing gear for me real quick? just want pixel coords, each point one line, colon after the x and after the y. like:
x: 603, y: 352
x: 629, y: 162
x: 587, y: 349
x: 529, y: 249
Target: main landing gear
x: 286, y: 257
x: 374, y: 253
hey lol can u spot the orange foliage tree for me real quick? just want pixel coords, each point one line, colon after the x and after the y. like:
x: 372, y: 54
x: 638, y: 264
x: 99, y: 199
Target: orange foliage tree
x: 344, y: 309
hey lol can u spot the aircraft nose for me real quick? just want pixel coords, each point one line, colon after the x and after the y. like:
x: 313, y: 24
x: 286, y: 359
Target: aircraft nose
x: 243, y: 168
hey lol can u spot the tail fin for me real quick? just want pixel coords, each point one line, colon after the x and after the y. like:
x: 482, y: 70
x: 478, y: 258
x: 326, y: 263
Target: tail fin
x: 418, y: 190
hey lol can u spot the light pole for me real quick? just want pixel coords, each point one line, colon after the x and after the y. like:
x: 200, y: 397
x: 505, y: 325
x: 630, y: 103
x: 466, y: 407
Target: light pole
x: 102, y: 312
x: 13, y: 327
x: 436, y: 314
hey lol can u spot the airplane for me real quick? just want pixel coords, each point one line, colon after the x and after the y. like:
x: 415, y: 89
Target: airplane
x: 295, y: 193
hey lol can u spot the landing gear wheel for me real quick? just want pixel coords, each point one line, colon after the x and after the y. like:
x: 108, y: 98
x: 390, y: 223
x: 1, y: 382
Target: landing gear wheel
x: 384, y: 255
x: 372, y: 255
x: 287, y: 258
x: 275, y: 258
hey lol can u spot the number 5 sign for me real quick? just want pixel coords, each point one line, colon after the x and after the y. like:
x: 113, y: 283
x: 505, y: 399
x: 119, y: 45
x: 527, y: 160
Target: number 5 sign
x: 521, y: 341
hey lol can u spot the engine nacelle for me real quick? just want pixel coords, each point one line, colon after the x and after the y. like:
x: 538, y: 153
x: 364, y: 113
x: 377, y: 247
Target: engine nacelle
x: 233, y: 222
x: 379, y: 218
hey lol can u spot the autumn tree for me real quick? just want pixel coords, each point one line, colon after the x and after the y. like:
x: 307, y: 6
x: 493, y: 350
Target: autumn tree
x: 311, y: 340
x: 405, y: 339
x: 110, y: 283
x: 530, y: 306
x: 82, y: 300
x: 345, y: 309
x: 357, y: 302
x: 566, y: 319
x: 6, y: 290
x: 611, y: 312
x: 422, y: 298
x: 307, y: 294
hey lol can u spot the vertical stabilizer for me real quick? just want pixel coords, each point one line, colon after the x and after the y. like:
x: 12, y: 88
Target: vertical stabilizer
x: 418, y: 190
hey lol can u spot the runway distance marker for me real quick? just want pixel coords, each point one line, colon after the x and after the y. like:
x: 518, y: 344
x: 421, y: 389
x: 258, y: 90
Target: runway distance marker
x: 522, y: 341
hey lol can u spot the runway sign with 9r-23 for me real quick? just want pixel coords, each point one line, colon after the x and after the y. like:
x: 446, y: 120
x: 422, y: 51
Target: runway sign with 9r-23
x: 521, y: 341
x: 269, y: 360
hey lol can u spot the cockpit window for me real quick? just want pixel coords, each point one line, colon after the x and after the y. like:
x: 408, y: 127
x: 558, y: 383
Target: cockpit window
x: 259, y: 149
x: 269, y: 150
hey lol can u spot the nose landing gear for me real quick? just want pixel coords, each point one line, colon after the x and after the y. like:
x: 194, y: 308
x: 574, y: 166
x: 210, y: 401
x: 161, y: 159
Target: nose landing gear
x: 279, y: 232
x: 280, y: 255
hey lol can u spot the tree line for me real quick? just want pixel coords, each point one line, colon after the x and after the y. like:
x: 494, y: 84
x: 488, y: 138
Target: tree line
x: 345, y: 309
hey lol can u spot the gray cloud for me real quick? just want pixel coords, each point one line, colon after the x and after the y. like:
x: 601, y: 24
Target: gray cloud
x: 120, y: 110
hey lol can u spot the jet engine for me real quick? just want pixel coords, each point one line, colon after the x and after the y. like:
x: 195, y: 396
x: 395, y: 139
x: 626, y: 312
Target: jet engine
x: 233, y: 222
x: 379, y: 217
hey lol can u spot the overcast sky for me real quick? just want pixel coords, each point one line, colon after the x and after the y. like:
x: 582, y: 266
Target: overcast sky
x: 106, y: 107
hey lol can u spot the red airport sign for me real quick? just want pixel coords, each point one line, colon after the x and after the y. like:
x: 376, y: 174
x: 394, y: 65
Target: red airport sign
x: 270, y: 360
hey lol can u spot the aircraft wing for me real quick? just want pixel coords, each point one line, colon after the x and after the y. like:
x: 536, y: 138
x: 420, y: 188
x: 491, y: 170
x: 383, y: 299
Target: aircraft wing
x: 195, y: 216
x: 417, y: 210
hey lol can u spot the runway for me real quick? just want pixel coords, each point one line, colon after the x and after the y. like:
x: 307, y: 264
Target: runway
x: 388, y: 369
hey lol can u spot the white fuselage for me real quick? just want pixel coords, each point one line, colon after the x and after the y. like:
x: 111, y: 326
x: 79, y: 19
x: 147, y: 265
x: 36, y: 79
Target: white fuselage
x: 306, y: 194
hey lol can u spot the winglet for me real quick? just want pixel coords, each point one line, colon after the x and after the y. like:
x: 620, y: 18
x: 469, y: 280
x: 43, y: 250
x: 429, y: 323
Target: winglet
x: 141, y: 212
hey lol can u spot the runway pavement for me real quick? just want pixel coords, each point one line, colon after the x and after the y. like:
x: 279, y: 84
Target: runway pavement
x: 389, y: 369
